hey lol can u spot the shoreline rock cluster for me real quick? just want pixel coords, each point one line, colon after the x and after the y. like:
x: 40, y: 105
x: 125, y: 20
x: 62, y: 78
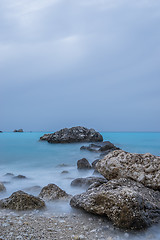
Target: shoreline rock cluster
x: 127, y: 193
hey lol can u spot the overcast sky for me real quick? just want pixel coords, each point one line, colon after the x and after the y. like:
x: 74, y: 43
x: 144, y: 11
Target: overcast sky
x: 94, y: 63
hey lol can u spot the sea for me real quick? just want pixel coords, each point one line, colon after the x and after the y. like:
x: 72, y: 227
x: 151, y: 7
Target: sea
x: 43, y: 163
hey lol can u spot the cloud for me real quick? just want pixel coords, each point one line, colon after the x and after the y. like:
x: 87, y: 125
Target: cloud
x: 92, y: 58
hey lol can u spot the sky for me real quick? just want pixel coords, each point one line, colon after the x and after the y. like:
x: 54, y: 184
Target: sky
x: 94, y: 63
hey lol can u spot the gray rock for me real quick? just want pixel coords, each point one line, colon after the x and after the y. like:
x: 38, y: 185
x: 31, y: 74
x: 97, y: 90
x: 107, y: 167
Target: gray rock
x: 18, y: 130
x: 83, y: 164
x: 52, y: 192
x: 9, y: 175
x: 20, y: 177
x: 64, y: 172
x: 2, y: 187
x: 74, y: 134
x: 22, y: 201
x: 94, y: 163
x: 126, y: 203
x: 104, y: 147
x: 86, y: 182
x: 143, y: 168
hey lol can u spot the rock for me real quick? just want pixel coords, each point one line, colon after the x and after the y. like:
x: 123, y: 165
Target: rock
x: 9, y: 175
x: 143, y: 168
x: 64, y: 172
x: 20, y: 177
x: 74, y: 134
x: 86, y: 182
x: 83, y: 164
x: 1, y: 132
x: 22, y: 201
x: 105, y: 146
x: 2, y: 187
x: 94, y: 163
x: 19, y: 130
x: 128, y: 204
x: 53, y: 192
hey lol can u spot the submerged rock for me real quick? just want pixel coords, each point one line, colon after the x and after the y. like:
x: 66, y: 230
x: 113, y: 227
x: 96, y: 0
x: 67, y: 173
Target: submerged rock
x: 83, y: 164
x: 53, y: 192
x: 126, y: 203
x: 2, y: 187
x: 86, y: 182
x: 33, y: 189
x: 143, y: 168
x: 64, y: 172
x: 74, y: 134
x: 22, y: 201
x: 18, y: 130
x: 20, y: 177
x: 9, y: 175
x: 105, y: 146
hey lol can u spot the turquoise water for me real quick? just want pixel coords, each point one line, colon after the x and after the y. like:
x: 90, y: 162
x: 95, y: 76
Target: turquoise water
x: 23, y: 153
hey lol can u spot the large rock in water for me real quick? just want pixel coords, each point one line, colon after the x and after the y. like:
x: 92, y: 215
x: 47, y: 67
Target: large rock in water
x: 126, y: 203
x: 143, y: 168
x: 53, y: 192
x: 22, y: 201
x: 74, y: 134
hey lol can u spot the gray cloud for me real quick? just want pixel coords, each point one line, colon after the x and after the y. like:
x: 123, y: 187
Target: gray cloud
x: 92, y: 63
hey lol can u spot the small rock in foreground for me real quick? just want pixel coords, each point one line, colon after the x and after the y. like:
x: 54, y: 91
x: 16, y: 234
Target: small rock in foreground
x: 53, y: 192
x: 22, y: 201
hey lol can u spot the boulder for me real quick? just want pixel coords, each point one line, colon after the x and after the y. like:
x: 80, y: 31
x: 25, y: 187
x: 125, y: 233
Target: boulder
x: 2, y: 187
x: 1, y: 132
x: 74, y: 134
x: 128, y: 204
x: 18, y: 130
x: 22, y: 201
x: 83, y: 164
x: 53, y: 192
x: 143, y: 168
x: 86, y: 182
x: 9, y: 175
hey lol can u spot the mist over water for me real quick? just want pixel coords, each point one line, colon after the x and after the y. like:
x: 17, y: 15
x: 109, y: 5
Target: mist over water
x: 42, y: 163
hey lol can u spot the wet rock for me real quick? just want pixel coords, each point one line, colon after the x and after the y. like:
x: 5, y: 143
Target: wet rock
x: 20, y: 177
x: 94, y: 163
x: 1, y: 132
x: 83, y: 164
x: 18, y: 130
x: 126, y: 203
x: 22, y: 201
x: 2, y: 187
x: 64, y: 172
x: 143, y: 168
x: 105, y: 146
x: 9, y: 175
x: 86, y: 182
x: 74, y: 134
x: 53, y: 192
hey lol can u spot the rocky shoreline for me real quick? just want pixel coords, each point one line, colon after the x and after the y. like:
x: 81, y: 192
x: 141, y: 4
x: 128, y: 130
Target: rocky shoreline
x: 126, y: 196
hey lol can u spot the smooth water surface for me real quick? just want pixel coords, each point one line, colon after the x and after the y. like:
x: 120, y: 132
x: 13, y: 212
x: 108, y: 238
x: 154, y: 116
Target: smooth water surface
x: 42, y: 163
